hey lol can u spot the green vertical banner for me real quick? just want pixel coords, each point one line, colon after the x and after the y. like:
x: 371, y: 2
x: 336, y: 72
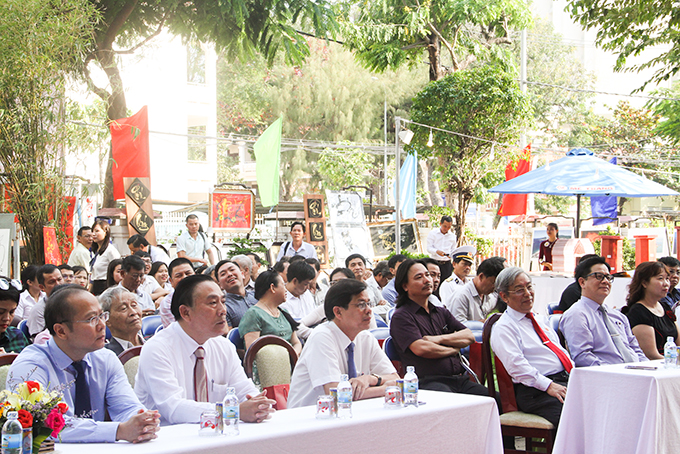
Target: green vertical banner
x: 267, y: 164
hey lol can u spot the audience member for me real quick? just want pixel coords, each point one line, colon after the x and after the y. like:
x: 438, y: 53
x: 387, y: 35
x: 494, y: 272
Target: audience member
x: 389, y: 292
x: 113, y: 273
x: 529, y: 349
x: 299, y: 300
x: 32, y: 293
x: 178, y: 269
x: 150, y: 285
x: 651, y: 319
x: 434, y: 270
x: 12, y: 340
x: 159, y: 271
x: 463, y: 259
x: 266, y: 317
x: 428, y: 336
x: 317, y: 286
x: 673, y: 297
x: 187, y: 367
x: 138, y: 243
x: 133, y: 275
x: 342, y: 346
x: 81, y: 255
x: 101, y: 404
x: 246, y: 266
x: 49, y: 277
x: 545, y: 251
x: 257, y: 264
x: 81, y: 276
x: 67, y: 273
x: 194, y: 244
x: 440, y: 244
x: 595, y: 335
x: 357, y: 263
x: 104, y: 253
x: 572, y: 293
x: 237, y: 299
x: 125, y: 319
x: 477, y: 299
x: 381, y: 276
x: 296, y: 246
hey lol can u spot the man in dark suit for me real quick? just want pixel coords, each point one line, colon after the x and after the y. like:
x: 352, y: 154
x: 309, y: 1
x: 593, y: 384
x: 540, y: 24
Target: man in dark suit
x: 125, y: 319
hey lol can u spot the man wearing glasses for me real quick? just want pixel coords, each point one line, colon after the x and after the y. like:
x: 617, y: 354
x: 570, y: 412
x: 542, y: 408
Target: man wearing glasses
x: 81, y: 255
x: 594, y: 334
x: 92, y: 378
x: 342, y: 346
x: 133, y: 272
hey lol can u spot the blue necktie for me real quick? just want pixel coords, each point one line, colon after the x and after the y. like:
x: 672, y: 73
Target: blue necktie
x: 82, y: 400
x: 351, y: 367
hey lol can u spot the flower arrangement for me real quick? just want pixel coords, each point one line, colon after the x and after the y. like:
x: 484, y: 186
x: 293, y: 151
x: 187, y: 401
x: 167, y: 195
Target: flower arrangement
x: 38, y: 408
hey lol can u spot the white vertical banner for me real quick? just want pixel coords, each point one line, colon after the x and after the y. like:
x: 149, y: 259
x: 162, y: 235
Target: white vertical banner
x: 348, y: 228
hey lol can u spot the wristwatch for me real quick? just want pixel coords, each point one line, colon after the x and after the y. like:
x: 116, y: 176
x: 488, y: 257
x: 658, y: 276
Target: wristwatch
x: 379, y: 379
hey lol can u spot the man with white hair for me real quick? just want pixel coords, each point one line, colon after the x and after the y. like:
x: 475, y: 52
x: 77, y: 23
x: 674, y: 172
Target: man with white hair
x: 246, y: 265
x: 125, y: 319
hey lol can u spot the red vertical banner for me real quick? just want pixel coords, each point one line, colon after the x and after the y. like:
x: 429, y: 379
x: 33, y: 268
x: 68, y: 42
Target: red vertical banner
x: 130, y: 150
x: 51, y: 246
x: 516, y: 204
x: 66, y: 224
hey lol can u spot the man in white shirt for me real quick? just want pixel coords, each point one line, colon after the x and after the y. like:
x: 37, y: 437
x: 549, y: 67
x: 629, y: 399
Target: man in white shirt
x: 299, y: 300
x: 357, y: 264
x: 81, y: 254
x: 194, y: 244
x: 342, y: 346
x: 187, y: 367
x: 381, y: 276
x: 178, y: 269
x: 138, y: 243
x: 132, y: 271
x: 529, y: 349
x: 463, y: 259
x: 440, y: 244
x: 49, y: 277
x: 477, y: 299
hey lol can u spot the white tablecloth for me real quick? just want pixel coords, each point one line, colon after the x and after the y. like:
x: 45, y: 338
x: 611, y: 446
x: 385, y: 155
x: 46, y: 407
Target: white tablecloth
x: 446, y: 423
x: 610, y: 409
x: 549, y: 288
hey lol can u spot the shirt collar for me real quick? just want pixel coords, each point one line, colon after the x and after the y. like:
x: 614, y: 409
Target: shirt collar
x: 414, y: 307
x: 515, y: 315
x: 339, y: 335
x: 187, y: 343
x: 590, y: 303
x: 62, y: 360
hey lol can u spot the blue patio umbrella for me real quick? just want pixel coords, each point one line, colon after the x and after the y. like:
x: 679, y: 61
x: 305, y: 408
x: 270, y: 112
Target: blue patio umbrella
x: 580, y: 173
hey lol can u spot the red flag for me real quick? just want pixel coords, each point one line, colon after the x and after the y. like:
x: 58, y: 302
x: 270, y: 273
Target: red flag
x: 130, y: 144
x: 51, y: 247
x: 515, y: 204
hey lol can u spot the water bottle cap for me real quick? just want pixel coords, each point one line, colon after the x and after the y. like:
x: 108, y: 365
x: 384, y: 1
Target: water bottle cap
x: 670, y: 339
x: 410, y: 368
x: 12, y: 415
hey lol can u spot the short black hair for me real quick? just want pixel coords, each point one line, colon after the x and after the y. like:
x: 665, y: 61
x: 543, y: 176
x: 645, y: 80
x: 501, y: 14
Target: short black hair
x: 280, y: 265
x: 346, y: 271
x: 82, y: 229
x: 255, y: 257
x: 401, y: 278
x: 58, y: 308
x: 341, y: 294
x: 302, y: 271
x: 297, y: 258
x: 491, y: 267
x: 669, y: 261
x: 221, y: 263
x: 301, y: 224
x: 177, y: 262
x: 142, y: 254
x: 397, y: 258
x: 314, y: 262
x: 184, y: 292
x: 65, y: 266
x: 429, y: 261
x: 137, y: 240
x: 264, y: 282
x: 381, y: 268
x: 354, y: 256
x: 77, y: 269
x: 191, y: 216
x: 46, y: 269
x: 446, y: 219
x: 584, y: 266
x: 132, y: 262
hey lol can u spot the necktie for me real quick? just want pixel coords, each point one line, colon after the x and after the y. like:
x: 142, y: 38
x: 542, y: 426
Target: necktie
x: 564, y: 359
x: 351, y: 367
x: 82, y: 400
x: 616, y: 337
x: 200, y: 377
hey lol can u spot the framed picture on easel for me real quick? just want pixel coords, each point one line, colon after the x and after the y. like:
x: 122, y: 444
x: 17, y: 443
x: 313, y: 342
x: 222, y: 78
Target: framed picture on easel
x: 232, y: 210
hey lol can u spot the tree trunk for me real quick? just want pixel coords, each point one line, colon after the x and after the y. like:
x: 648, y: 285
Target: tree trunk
x: 434, y: 56
x: 424, y: 177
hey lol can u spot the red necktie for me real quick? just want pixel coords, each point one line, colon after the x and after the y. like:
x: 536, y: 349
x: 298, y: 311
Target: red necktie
x: 564, y: 359
x: 200, y: 377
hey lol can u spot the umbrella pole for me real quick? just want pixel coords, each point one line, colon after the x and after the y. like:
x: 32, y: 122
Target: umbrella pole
x: 578, y: 215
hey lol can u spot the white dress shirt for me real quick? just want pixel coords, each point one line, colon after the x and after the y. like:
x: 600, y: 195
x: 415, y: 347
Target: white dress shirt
x: 298, y: 307
x: 165, y: 311
x: 149, y: 285
x: 467, y: 304
x: 306, y: 250
x: 26, y: 303
x: 143, y: 299
x: 165, y: 378
x: 36, y: 318
x: 449, y: 288
x: 525, y: 357
x: 324, y: 359
x: 437, y: 241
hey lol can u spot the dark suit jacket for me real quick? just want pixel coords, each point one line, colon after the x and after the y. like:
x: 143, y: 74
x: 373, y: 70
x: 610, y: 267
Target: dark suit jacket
x: 114, y: 346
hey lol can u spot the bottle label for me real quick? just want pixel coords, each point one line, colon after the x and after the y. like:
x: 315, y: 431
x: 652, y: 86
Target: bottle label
x: 11, y: 441
x: 231, y: 412
x: 344, y: 397
x: 411, y: 387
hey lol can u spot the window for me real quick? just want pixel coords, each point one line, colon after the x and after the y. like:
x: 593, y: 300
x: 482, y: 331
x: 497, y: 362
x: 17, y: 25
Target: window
x: 197, y: 143
x: 195, y: 63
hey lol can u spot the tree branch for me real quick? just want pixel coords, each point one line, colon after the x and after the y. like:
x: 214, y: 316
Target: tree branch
x: 102, y: 93
x: 147, y: 39
x: 116, y: 24
x: 431, y: 26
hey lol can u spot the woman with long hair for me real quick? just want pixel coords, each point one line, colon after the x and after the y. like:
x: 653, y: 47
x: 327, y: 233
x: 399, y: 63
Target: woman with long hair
x: 651, y: 320
x: 159, y: 271
x: 104, y: 252
x: 113, y: 276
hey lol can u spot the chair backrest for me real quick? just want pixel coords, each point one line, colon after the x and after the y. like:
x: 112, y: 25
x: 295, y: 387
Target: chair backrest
x: 7, y: 358
x: 554, y: 320
x: 391, y: 351
x: 381, y: 333
x: 552, y: 307
x: 23, y: 326
x: 4, y: 371
x: 379, y: 321
x: 506, y: 388
x: 149, y: 325
x: 235, y: 339
x: 159, y: 329
x: 130, y: 360
x: 275, y: 359
x: 390, y: 313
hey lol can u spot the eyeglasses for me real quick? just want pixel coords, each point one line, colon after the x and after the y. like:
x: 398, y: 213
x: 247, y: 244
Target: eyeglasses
x: 137, y: 277
x: 5, y: 283
x: 94, y: 320
x: 600, y: 276
x: 361, y: 306
x: 522, y: 290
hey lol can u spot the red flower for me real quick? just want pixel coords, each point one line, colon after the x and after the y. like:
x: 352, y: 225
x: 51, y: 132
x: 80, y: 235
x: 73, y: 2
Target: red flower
x: 33, y: 386
x: 26, y: 419
x: 63, y: 407
x: 55, y: 421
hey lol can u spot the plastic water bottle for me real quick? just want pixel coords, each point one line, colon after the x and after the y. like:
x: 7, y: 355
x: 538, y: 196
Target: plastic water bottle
x: 670, y: 354
x: 12, y: 434
x: 344, y: 397
x: 410, y: 387
x: 230, y: 412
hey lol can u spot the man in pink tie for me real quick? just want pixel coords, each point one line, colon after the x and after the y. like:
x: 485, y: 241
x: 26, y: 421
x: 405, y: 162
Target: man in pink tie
x: 188, y: 366
x: 529, y: 349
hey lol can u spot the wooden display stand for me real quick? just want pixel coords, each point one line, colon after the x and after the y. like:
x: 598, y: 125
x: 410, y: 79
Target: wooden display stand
x: 645, y: 248
x: 315, y: 219
x: 612, y: 251
x: 139, y: 208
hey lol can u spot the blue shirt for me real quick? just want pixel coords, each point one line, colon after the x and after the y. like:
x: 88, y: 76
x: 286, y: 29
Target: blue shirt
x: 390, y: 293
x: 672, y: 298
x: 237, y: 306
x: 589, y: 341
x: 109, y: 389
